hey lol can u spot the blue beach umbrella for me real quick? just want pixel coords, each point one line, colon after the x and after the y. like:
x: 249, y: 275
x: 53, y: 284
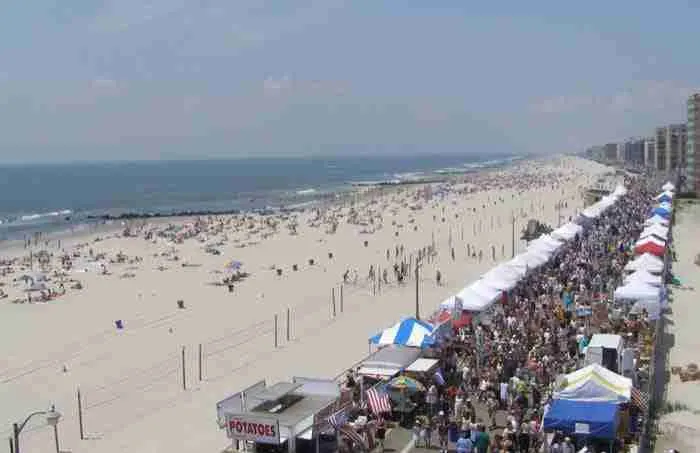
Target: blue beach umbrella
x: 233, y: 265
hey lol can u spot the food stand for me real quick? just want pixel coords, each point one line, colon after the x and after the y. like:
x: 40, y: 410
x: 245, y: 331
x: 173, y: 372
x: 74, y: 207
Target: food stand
x: 284, y: 417
x: 388, y: 361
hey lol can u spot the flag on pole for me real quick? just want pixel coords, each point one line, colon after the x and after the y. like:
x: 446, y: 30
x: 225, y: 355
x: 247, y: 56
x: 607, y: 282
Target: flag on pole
x: 338, y: 419
x: 379, y: 402
x: 354, y: 436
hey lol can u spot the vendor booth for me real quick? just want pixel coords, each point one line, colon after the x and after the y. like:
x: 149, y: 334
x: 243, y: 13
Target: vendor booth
x: 595, y: 383
x: 650, y: 245
x: 407, y: 332
x: 567, y: 231
x: 284, y: 417
x: 656, y: 219
x: 584, y: 421
x: 648, y: 262
x: 605, y: 350
x: 388, y: 361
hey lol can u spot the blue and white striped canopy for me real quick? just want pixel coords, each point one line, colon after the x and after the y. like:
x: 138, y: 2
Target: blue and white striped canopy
x: 407, y: 332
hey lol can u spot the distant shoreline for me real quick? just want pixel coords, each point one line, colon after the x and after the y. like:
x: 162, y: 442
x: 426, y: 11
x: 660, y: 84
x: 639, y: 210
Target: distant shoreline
x: 312, y: 195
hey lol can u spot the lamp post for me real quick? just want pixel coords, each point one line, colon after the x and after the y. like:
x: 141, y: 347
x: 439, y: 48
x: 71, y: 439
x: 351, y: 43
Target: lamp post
x: 52, y: 419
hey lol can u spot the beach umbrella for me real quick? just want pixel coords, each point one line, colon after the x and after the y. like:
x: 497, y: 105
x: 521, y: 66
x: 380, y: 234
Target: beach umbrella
x: 233, y: 265
x: 406, y: 384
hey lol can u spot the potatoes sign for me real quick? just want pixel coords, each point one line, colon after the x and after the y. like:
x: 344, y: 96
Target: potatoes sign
x: 261, y: 430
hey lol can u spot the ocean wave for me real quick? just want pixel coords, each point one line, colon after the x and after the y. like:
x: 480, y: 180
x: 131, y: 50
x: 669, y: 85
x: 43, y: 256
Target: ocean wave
x: 33, y: 217
x: 306, y: 191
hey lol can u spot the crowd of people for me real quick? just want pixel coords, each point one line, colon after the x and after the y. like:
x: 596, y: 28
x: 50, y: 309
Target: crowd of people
x: 497, y: 375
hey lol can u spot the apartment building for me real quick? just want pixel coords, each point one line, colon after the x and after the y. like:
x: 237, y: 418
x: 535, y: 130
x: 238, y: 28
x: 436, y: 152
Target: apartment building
x: 671, y: 147
x: 692, y: 168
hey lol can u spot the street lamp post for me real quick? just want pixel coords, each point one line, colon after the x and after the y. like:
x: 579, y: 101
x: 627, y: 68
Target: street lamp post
x: 52, y: 419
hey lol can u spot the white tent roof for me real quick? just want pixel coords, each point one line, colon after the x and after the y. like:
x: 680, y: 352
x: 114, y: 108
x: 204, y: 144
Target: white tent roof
x: 595, y: 383
x: 656, y: 219
x: 667, y: 193
x: 567, y: 231
x: 528, y: 261
x: 620, y: 190
x: 657, y: 229
x: 643, y: 276
x: 482, y: 288
x: 502, y: 277
x: 636, y: 290
x: 605, y: 340
x: 545, y: 243
x: 668, y: 186
x: 471, y: 301
x: 646, y: 235
x: 646, y: 261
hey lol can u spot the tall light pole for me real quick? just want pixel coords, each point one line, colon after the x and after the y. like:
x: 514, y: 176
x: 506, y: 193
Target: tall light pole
x: 513, y: 238
x: 52, y: 419
x: 418, y: 261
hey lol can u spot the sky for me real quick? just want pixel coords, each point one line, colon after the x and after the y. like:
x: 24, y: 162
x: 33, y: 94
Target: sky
x: 164, y: 79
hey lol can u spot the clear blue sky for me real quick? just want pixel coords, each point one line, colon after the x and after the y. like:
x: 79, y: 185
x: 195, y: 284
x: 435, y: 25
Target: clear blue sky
x: 145, y: 79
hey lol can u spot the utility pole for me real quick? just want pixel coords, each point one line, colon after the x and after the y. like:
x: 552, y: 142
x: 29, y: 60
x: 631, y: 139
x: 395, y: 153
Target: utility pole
x: 417, y: 288
x: 513, y: 239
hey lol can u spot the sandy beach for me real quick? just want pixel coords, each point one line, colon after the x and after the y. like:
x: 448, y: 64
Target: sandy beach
x: 680, y: 425
x: 131, y: 378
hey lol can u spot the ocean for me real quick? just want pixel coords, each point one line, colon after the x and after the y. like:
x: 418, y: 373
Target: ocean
x: 54, y: 197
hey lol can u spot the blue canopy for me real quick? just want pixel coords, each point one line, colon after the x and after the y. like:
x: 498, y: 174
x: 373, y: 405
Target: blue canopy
x: 665, y: 198
x: 597, y: 419
x: 661, y: 212
x: 407, y: 332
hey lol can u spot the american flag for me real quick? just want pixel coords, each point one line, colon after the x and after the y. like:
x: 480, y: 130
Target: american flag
x: 640, y: 399
x: 338, y: 419
x: 379, y: 402
x: 354, y: 436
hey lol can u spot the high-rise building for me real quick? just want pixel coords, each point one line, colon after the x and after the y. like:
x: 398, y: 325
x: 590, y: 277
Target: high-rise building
x: 692, y: 169
x: 610, y: 151
x: 671, y: 147
x: 650, y: 152
x: 633, y: 151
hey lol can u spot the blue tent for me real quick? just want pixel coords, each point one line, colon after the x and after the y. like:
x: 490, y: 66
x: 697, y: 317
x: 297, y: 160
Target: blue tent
x: 661, y: 212
x: 407, y: 332
x: 665, y: 198
x: 598, y: 419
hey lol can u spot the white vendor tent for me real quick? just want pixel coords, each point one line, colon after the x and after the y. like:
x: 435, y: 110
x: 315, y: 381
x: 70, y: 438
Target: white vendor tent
x: 647, y: 262
x: 665, y: 194
x: 595, y: 383
x: 636, y: 290
x: 502, y: 277
x: 668, y: 187
x: 644, y: 277
x: 619, y: 191
x: 656, y: 219
x: 470, y: 301
x: 545, y: 243
x: 567, y: 231
x: 483, y: 289
x: 655, y: 229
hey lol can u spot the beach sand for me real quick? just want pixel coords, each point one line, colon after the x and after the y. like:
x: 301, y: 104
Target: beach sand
x: 131, y: 379
x: 680, y: 428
